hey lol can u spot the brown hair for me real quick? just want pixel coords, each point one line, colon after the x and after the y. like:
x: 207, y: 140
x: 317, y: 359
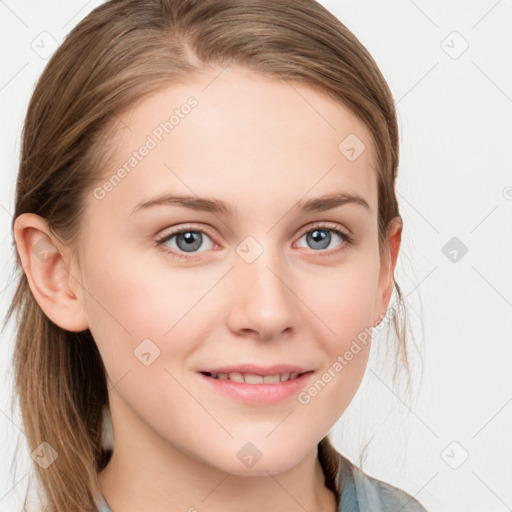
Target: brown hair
x: 117, y: 55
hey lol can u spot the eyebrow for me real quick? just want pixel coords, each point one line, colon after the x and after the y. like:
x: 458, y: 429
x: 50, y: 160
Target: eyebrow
x: 216, y: 206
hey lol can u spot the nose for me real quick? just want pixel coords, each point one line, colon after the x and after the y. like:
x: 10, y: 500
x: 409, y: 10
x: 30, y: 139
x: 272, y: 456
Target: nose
x: 261, y: 300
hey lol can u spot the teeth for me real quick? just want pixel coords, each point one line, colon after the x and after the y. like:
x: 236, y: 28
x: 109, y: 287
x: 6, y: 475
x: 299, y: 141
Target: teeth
x: 250, y: 378
x: 237, y: 377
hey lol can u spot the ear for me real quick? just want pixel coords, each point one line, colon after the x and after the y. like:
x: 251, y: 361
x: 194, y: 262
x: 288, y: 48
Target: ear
x: 387, y: 269
x: 48, y: 267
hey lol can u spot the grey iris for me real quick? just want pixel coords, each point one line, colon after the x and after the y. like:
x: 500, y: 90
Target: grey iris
x: 319, y: 236
x: 192, y: 240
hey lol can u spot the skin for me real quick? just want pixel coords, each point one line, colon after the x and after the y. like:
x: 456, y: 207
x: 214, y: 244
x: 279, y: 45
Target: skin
x: 259, y: 145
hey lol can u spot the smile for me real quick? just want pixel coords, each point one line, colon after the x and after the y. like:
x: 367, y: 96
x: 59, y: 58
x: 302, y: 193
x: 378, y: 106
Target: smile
x: 251, y: 378
x: 254, y: 389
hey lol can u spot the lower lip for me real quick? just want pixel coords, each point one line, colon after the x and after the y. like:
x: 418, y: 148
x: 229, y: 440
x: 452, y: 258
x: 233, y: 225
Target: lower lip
x: 259, y: 393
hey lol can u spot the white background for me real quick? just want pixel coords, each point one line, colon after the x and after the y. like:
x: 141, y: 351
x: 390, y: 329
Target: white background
x: 455, y: 180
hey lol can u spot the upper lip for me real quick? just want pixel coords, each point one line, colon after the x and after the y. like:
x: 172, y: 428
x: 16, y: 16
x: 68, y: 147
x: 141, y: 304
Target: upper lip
x: 257, y: 370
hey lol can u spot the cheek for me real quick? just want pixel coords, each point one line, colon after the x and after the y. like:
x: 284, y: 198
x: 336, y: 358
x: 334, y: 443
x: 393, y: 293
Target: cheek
x: 132, y: 300
x: 343, y: 300
x: 345, y: 317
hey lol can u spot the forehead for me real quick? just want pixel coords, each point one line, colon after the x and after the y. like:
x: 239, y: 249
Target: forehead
x: 246, y: 139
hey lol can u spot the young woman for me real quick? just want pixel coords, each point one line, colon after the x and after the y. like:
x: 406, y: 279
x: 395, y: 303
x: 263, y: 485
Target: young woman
x: 206, y: 229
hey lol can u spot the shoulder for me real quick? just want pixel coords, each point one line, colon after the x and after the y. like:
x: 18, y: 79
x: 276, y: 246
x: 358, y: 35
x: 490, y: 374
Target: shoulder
x: 362, y: 493
x: 389, y: 497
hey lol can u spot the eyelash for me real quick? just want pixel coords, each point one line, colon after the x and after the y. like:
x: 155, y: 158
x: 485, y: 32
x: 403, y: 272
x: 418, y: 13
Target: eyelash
x: 347, y: 239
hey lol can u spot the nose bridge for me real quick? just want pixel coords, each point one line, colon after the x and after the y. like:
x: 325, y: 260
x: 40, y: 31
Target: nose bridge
x: 261, y: 299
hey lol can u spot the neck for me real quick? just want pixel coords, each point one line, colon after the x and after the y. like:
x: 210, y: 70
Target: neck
x: 152, y: 475
x: 130, y: 484
x: 155, y: 475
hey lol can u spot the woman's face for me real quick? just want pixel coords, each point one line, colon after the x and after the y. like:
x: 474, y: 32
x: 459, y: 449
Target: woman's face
x: 258, y: 278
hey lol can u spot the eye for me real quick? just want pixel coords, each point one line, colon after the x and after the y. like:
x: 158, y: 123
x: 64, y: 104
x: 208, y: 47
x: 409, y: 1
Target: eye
x: 321, y: 236
x: 190, y: 239
x: 184, y: 240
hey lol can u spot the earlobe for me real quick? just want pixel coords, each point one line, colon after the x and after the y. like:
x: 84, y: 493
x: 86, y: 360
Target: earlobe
x: 45, y: 262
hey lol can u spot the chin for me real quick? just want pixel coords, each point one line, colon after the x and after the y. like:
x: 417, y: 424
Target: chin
x: 252, y: 459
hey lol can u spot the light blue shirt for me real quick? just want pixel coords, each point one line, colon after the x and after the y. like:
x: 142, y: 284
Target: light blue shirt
x: 360, y: 493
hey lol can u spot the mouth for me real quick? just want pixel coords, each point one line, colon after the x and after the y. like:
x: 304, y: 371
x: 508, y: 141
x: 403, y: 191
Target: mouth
x: 253, y: 378
x: 254, y: 385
